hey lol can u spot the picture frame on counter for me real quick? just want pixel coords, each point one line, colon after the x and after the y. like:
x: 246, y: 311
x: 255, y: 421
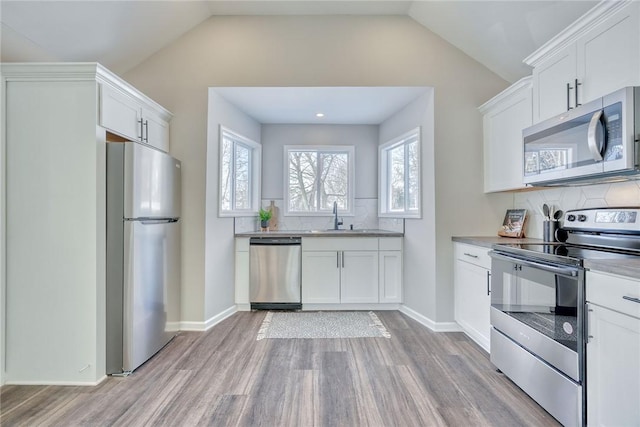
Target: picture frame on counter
x: 514, y: 224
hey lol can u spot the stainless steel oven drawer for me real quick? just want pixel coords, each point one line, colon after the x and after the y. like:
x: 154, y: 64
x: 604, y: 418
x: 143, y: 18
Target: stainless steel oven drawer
x: 563, y: 358
x: 556, y: 393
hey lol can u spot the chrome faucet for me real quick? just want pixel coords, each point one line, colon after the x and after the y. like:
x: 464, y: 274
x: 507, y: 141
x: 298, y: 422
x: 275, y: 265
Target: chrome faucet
x: 336, y: 223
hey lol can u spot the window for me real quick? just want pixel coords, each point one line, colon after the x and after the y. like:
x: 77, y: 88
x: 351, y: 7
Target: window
x: 240, y: 160
x: 399, y: 170
x: 317, y: 177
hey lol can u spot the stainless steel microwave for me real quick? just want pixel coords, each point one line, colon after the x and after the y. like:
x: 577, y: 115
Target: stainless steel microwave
x: 594, y: 142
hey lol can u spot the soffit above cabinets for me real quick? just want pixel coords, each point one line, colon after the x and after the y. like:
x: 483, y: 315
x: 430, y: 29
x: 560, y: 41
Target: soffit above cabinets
x: 340, y: 105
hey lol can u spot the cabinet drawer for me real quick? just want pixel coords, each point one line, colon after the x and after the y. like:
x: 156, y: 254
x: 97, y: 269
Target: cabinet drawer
x: 608, y: 291
x: 476, y: 255
x: 340, y: 244
x: 390, y: 243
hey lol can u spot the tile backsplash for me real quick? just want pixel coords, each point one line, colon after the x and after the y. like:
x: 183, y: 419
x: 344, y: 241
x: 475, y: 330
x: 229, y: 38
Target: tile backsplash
x: 566, y: 198
x: 365, y: 217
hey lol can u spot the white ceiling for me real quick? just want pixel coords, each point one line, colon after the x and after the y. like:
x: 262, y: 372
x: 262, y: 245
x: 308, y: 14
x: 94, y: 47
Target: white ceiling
x: 341, y: 105
x: 122, y: 34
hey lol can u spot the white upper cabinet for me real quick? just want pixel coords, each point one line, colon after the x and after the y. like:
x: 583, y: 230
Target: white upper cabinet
x: 596, y: 55
x: 609, y: 55
x: 128, y: 116
x: 554, y: 85
x: 504, y: 117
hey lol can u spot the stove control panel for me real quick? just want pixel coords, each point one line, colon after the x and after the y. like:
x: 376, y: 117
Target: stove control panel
x: 605, y: 219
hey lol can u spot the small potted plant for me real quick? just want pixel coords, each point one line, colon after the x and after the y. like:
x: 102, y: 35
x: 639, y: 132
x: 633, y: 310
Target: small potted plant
x: 265, y: 216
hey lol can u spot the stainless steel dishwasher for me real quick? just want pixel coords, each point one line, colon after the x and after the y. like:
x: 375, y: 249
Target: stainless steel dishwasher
x: 274, y: 278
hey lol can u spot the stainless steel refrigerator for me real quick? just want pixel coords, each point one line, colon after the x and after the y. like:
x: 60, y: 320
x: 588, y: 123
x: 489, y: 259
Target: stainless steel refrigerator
x: 143, y: 253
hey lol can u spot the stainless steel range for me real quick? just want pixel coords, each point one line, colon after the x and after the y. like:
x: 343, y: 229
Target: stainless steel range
x: 538, y: 334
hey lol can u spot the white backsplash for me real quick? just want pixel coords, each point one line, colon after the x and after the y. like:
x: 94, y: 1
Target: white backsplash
x: 365, y: 217
x: 621, y: 194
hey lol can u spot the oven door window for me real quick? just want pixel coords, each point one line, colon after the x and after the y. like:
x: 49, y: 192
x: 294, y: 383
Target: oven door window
x: 542, y: 300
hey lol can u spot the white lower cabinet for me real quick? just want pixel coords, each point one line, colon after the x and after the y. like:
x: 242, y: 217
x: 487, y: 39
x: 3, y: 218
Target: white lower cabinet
x: 320, y: 277
x: 472, y: 300
x: 351, y: 270
x: 359, y: 277
x: 390, y: 276
x: 242, y: 273
x: 613, y: 350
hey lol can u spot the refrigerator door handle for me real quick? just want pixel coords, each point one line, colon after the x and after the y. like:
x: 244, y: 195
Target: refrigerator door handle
x: 155, y: 221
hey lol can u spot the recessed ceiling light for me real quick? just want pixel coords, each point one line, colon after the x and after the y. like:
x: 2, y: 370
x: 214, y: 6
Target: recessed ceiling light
x: 319, y: 114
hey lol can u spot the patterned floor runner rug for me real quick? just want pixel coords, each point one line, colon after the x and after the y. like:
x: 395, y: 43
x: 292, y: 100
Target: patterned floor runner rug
x: 322, y: 324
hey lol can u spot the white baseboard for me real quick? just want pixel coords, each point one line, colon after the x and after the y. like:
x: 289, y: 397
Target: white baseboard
x: 74, y: 383
x: 208, y: 324
x: 243, y: 307
x: 424, y: 320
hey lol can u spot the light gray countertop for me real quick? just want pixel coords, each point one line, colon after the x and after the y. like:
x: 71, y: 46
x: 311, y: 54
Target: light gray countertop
x: 488, y: 241
x: 623, y: 267
x: 322, y: 233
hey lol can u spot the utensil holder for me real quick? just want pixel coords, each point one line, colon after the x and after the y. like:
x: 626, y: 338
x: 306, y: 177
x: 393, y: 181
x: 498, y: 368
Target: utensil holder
x: 549, y: 231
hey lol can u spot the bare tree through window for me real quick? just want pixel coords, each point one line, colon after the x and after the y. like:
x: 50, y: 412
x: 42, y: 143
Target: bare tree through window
x: 317, y: 179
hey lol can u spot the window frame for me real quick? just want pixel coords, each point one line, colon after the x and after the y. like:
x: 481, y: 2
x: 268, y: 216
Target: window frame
x: 350, y: 151
x: 254, y: 172
x: 384, y: 183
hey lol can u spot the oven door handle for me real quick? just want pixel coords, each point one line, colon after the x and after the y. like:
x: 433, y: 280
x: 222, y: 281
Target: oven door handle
x: 564, y: 271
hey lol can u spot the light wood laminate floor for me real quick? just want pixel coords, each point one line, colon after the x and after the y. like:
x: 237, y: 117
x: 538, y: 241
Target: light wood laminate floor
x: 224, y: 377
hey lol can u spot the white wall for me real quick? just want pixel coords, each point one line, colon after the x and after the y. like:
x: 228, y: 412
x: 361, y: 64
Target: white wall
x: 219, y: 244
x: 363, y: 137
x: 325, y: 51
x: 420, y: 251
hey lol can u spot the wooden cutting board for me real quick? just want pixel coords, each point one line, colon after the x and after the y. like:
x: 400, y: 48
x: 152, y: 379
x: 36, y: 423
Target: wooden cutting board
x: 275, y: 214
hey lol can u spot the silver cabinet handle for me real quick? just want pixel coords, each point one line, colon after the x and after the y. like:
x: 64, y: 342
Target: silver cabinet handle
x: 569, y: 96
x: 146, y: 134
x: 595, y: 136
x: 471, y: 255
x: 488, y: 282
x: 632, y: 299
x: 587, y: 331
x: 342, y: 259
x: 141, y: 130
x: 577, y: 104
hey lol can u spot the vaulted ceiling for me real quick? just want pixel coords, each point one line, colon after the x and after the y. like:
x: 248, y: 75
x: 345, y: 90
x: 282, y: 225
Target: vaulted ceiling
x: 122, y: 34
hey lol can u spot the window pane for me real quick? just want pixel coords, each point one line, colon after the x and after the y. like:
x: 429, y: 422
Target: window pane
x: 242, y: 184
x: 396, y: 181
x: 225, y: 184
x: 334, y: 180
x: 303, y: 166
x: 414, y: 176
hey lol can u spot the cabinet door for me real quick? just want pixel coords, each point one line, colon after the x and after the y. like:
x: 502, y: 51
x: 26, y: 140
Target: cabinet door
x: 613, y: 368
x: 390, y: 280
x: 609, y: 55
x: 359, y: 278
x: 472, y: 301
x: 320, y: 277
x: 242, y: 277
x: 550, y: 85
x: 156, y: 130
x: 503, y: 127
x: 120, y: 114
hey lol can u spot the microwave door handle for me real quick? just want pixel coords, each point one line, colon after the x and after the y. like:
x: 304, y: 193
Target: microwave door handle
x: 595, y: 136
